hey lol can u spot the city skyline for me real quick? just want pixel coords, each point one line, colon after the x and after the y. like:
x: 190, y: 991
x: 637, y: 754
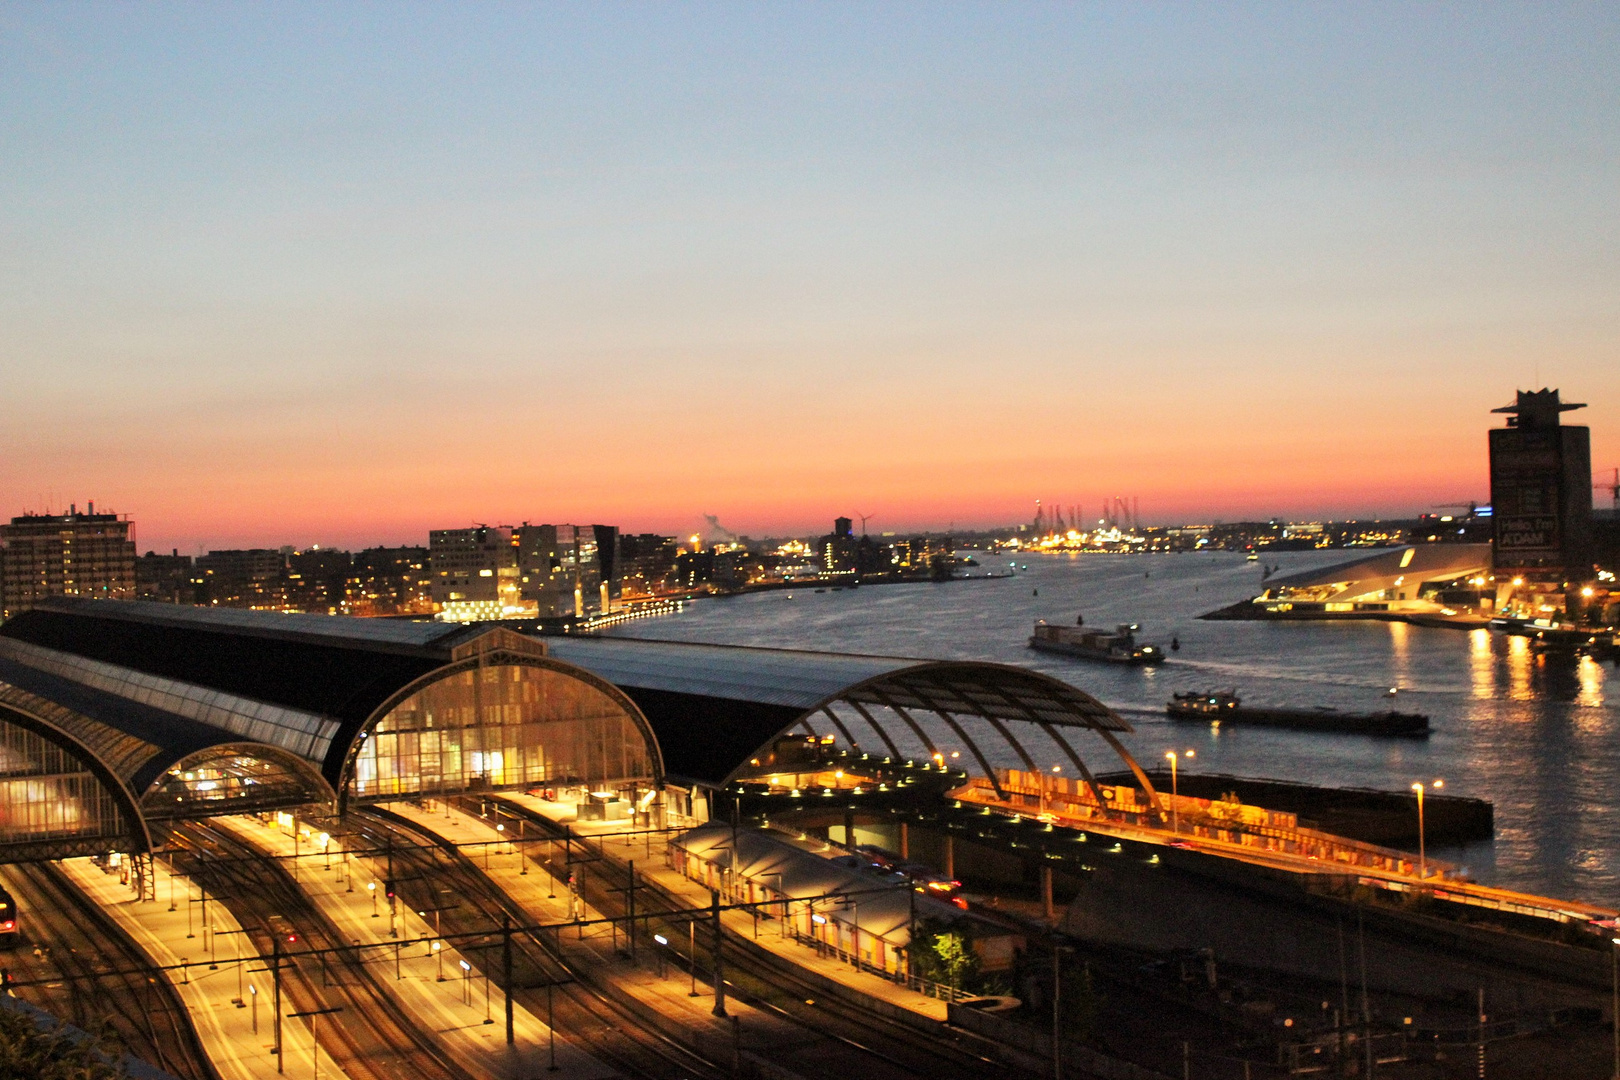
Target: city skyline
x: 347, y: 275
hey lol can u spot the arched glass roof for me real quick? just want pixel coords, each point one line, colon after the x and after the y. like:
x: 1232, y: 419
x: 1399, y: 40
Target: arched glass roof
x: 715, y: 708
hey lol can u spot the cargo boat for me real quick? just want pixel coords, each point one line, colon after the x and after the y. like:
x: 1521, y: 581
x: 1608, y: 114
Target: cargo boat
x: 1117, y: 646
x: 1225, y: 707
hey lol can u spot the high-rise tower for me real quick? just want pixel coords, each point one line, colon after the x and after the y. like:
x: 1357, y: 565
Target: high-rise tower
x: 1541, y: 497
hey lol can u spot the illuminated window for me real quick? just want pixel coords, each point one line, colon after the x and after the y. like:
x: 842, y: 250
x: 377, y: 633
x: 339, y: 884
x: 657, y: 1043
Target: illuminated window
x: 501, y: 726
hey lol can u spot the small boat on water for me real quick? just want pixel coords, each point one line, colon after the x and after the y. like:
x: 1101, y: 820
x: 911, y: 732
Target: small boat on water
x: 1225, y: 707
x: 1117, y: 646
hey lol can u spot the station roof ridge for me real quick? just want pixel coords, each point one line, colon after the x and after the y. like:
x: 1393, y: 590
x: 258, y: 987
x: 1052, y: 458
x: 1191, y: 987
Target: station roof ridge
x: 419, y: 638
x: 337, y: 675
x: 806, y: 679
x: 749, y: 648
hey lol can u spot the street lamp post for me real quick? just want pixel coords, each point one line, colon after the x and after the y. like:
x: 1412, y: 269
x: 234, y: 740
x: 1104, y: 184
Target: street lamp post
x: 1175, y: 790
x: 691, y: 954
x: 1614, y: 968
x: 371, y: 887
x: 1423, y: 855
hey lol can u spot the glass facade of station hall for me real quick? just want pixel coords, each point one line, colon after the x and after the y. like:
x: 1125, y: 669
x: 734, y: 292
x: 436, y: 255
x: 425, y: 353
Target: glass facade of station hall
x: 502, y: 725
x: 47, y: 793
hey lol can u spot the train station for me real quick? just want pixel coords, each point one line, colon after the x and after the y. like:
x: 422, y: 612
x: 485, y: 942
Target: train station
x: 606, y: 820
x: 121, y: 715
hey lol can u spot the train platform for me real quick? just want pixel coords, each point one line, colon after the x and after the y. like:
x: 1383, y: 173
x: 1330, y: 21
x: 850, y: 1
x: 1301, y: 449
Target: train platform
x: 464, y: 1012
x: 224, y: 983
x: 660, y: 983
x: 650, y: 861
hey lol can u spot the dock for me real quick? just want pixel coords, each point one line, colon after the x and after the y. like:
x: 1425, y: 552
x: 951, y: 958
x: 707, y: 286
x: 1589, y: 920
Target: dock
x: 1365, y: 814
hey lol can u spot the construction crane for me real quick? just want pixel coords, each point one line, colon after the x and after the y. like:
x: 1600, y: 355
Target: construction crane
x: 1613, y: 487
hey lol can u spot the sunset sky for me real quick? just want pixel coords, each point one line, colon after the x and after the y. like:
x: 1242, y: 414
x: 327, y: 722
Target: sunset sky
x: 341, y: 273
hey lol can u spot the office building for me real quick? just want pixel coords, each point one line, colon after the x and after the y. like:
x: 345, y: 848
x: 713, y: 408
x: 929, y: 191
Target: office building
x: 646, y: 562
x: 251, y: 578
x: 568, y: 569
x: 69, y: 554
x: 838, y: 548
x: 474, y: 572
x: 390, y: 581
x: 165, y: 578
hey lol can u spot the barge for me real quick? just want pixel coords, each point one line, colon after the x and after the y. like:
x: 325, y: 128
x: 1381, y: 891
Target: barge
x: 1117, y: 646
x: 1224, y: 706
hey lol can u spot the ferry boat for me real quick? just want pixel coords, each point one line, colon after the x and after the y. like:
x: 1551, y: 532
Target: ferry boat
x: 1117, y: 646
x: 1224, y: 706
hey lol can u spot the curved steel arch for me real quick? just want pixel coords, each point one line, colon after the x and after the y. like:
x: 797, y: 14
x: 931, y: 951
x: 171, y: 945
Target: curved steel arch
x: 989, y: 691
x: 14, y: 712
x: 494, y: 658
x: 316, y: 788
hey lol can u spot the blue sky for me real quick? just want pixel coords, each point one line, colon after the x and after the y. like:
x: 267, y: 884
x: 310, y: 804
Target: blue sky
x: 345, y: 272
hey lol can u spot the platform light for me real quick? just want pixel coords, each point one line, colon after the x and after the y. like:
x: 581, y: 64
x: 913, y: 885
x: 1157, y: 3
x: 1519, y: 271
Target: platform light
x: 661, y: 939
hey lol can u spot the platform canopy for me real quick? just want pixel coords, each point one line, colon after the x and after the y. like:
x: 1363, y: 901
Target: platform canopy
x: 718, y: 710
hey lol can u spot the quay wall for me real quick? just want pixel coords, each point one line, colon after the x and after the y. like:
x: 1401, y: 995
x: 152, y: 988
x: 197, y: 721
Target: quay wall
x: 1251, y: 917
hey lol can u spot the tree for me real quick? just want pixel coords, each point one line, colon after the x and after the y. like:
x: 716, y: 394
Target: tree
x: 30, y: 1052
x: 944, y: 955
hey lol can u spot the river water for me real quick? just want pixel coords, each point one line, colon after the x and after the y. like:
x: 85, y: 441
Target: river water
x: 1539, y: 741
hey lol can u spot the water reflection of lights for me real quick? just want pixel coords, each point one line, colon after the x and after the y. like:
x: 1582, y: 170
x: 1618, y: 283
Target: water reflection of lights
x: 1590, y: 674
x: 1400, y: 640
x: 1521, y: 668
x: 1482, y: 663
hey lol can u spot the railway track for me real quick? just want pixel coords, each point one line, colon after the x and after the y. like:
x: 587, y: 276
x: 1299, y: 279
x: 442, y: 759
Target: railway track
x: 846, y: 1036
x: 593, y: 1012
x: 373, y: 1038
x: 103, y: 974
